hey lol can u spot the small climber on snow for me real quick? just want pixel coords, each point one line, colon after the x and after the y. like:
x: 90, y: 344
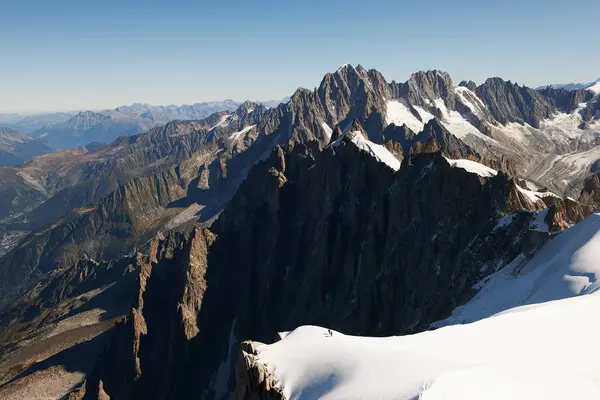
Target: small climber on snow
x: 330, y: 333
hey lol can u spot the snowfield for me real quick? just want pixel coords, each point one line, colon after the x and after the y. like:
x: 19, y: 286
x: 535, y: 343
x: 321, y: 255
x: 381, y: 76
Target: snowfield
x: 595, y: 87
x: 535, y: 335
x: 548, y: 352
x: 473, y: 167
x: 398, y: 113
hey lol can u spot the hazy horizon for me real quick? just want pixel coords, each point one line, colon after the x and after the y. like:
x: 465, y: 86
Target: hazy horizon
x: 72, y: 55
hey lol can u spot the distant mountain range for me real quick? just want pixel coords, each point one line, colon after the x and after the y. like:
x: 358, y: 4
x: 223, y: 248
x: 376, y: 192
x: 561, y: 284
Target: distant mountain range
x: 67, y: 130
x: 572, y: 86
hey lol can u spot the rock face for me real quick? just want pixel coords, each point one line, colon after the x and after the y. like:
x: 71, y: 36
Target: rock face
x: 56, y: 331
x: 590, y: 194
x: 430, y: 85
x: 567, y: 100
x: 472, y: 86
x: 452, y: 146
x: 509, y: 102
x: 312, y: 237
x: 253, y: 380
x: 171, y: 290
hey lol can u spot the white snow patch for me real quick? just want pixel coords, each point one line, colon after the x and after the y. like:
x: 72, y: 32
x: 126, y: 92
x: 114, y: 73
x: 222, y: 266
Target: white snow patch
x: 531, y: 185
x: 473, y: 167
x: 471, y: 100
x: 595, y: 88
x: 456, y: 124
x: 398, y: 113
x: 425, y: 115
x: 327, y: 129
x: 223, y: 122
x: 376, y: 150
x: 563, y: 124
x: 535, y: 196
x: 239, y: 134
x: 516, y: 131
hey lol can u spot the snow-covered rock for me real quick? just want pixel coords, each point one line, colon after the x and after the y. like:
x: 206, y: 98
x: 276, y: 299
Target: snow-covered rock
x: 473, y: 167
x: 376, y: 150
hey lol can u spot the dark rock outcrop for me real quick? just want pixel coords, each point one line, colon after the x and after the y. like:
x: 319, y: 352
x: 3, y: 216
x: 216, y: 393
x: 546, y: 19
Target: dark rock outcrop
x: 509, y: 102
x: 590, y: 194
x: 472, y: 86
x: 253, y: 380
x: 446, y: 142
x: 567, y: 100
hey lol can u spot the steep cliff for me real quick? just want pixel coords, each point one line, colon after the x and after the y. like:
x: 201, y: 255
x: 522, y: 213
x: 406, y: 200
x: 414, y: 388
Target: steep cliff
x: 315, y: 237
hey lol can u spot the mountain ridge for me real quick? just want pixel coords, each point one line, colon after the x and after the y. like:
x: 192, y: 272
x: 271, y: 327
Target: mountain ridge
x: 208, y: 153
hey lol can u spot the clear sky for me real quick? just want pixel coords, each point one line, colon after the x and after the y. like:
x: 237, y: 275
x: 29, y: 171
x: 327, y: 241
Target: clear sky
x: 67, y: 55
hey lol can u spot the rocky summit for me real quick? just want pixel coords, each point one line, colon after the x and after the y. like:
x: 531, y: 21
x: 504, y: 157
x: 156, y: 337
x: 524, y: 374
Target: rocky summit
x: 156, y: 265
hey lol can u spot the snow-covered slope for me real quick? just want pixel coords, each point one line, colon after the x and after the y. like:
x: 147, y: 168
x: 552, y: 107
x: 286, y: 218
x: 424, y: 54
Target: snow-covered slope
x: 473, y: 167
x: 595, y: 87
x: 549, y: 351
x: 566, y: 266
x: 376, y: 150
x: 399, y: 113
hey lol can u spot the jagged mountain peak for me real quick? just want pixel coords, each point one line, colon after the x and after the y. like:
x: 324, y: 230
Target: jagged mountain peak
x: 424, y: 87
x: 472, y: 86
x: 509, y: 102
x: 248, y: 107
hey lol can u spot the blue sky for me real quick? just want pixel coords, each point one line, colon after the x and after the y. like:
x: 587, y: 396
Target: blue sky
x: 67, y: 55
